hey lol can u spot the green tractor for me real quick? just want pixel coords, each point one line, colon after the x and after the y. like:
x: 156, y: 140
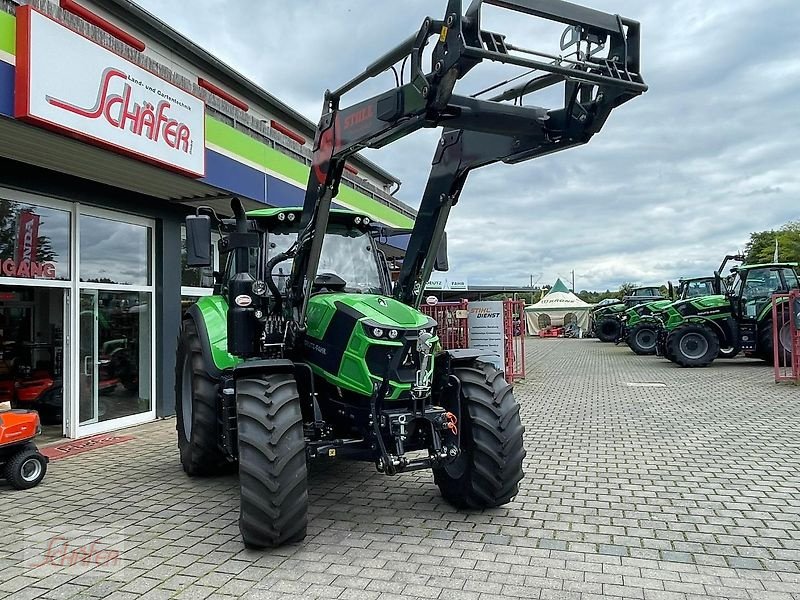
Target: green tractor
x: 698, y: 330
x: 606, y: 320
x: 639, y: 326
x: 307, y: 351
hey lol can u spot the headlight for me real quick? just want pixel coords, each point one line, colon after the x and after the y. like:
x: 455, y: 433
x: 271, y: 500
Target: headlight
x: 377, y: 332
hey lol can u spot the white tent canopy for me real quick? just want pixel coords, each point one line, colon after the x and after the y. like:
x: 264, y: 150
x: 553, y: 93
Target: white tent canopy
x: 559, y: 307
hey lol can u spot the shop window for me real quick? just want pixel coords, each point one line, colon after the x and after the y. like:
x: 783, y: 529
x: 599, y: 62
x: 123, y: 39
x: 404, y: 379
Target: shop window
x: 570, y: 318
x: 544, y: 321
x: 32, y: 352
x: 34, y: 241
x: 114, y: 252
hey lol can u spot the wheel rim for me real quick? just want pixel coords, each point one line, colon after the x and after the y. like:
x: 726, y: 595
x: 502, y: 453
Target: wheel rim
x: 30, y: 470
x: 646, y: 339
x: 785, y: 337
x: 186, y: 397
x: 694, y: 345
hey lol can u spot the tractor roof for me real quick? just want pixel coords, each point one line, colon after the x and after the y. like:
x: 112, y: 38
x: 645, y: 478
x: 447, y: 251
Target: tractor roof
x: 291, y: 214
x: 789, y: 265
x: 691, y: 279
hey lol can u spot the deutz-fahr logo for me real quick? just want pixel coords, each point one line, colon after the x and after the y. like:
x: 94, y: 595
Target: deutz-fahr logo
x: 120, y: 111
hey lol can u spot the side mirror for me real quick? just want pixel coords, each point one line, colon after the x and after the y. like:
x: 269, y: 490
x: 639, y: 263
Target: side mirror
x: 442, y: 263
x: 198, y: 241
x: 671, y: 291
x: 717, y: 282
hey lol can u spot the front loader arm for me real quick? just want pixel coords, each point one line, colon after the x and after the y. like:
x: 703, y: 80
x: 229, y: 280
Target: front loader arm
x: 479, y: 130
x: 461, y: 151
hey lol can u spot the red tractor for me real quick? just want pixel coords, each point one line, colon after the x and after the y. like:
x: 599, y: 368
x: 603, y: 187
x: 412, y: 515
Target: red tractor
x: 23, y: 465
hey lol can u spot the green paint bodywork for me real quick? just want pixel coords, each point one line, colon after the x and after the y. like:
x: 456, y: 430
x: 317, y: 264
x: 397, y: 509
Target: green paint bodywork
x: 215, y: 316
x: 672, y: 316
x: 635, y: 313
x: 354, y: 373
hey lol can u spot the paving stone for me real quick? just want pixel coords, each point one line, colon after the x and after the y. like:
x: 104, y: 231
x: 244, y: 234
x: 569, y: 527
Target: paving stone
x: 680, y: 492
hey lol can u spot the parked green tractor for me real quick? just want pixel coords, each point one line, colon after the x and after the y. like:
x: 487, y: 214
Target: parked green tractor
x: 606, y: 320
x: 639, y: 326
x: 308, y: 352
x: 696, y: 331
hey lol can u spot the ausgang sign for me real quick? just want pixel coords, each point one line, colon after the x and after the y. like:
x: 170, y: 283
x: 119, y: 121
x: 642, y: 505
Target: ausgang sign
x: 68, y: 83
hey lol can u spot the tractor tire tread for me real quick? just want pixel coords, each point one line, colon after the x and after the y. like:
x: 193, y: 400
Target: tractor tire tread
x: 201, y: 456
x: 272, y: 461
x: 492, y: 441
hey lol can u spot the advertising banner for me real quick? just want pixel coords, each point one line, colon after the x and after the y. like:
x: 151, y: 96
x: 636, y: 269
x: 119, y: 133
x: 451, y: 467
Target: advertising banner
x: 486, y: 332
x: 68, y: 83
x: 27, y: 237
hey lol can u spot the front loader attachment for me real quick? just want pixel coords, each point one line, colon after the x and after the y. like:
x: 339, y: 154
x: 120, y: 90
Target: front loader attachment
x: 597, y: 60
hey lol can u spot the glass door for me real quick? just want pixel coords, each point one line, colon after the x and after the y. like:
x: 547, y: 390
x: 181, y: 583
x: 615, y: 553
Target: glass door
x: 114, y: 327
x: 88, y: 396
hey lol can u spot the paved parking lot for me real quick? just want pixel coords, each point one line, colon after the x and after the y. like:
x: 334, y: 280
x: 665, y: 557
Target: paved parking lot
x: 642, y: 481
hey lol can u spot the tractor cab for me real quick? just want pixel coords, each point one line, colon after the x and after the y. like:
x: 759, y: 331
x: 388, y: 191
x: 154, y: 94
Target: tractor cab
x: 753, y: 286
x: 698, y: 287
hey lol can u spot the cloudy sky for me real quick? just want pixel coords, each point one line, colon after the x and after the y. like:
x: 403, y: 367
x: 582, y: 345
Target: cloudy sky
x: 676, y: 179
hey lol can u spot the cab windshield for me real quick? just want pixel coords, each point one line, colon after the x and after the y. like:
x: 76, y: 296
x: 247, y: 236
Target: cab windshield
x: 346, y: 253
x: 696, y: 289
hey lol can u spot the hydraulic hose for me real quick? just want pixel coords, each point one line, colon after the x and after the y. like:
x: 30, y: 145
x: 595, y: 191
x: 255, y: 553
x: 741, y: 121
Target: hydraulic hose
x: 273, y: 288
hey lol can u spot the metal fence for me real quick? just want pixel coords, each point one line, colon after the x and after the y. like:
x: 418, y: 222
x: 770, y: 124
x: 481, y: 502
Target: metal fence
x: 514, y: 324
x: 786, y: 336
x: 453, y: 320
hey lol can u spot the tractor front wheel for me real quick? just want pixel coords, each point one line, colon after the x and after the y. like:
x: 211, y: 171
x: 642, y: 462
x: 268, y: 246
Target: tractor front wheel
x: 608, y: 329
x: 196, y: 408
x: 488, y: 470
x: 643, y: 338
x: 692, y: 345
x: 729, y: 353
x: 272, y: 461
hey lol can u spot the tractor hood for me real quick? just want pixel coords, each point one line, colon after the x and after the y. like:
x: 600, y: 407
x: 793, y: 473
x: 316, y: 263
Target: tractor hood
x: 377, y: 310
x: 703, y: 302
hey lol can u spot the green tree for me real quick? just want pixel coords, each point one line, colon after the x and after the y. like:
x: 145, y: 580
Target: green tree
x: 761, y: 247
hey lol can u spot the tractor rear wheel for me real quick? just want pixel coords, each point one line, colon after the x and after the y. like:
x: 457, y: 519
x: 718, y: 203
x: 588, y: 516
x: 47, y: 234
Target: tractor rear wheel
x: 692, y: 345
x: 196, y: 408
x: 272, y: 461
x: 608, y: 329
x: 488, y: 470
x: 766, y: 345
x: 643, y: 338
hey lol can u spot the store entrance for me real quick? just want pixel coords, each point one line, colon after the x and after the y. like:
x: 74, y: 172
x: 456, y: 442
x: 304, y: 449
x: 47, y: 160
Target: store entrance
x: 32, y: 353
x: 113, y: 355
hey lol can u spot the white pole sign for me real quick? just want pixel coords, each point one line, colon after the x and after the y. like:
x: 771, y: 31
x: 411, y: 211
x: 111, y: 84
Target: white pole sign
x: 486, y: 330
x: 70, y: 84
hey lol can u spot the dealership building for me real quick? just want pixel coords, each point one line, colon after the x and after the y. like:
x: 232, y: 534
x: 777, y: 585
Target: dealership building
x: 113, y: 127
